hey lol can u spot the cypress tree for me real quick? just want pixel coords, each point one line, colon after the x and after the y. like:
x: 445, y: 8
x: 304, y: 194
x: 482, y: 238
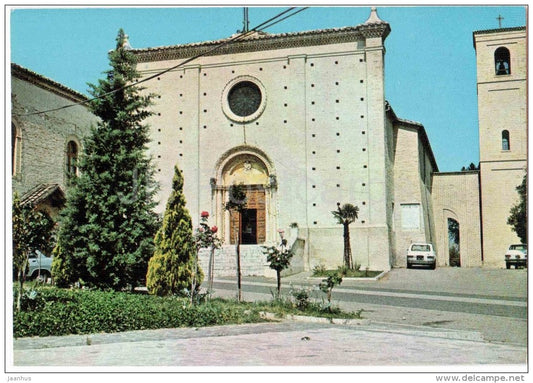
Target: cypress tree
x: 171, y: 269
x: 106, y: 238
x: 518, y: 214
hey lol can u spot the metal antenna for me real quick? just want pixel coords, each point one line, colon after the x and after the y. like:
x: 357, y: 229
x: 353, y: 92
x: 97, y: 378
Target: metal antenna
x: 246, y: 22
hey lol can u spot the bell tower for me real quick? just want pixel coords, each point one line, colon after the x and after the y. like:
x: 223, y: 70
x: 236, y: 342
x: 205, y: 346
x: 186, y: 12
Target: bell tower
x: 501, y: 60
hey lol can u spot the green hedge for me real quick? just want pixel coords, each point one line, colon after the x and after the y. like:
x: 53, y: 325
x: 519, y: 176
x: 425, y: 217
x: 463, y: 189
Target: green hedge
x: 52, y: 311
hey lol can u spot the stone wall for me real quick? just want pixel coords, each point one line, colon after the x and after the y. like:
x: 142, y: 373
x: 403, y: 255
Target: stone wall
x: 41, y: 154
x: 456, y: 196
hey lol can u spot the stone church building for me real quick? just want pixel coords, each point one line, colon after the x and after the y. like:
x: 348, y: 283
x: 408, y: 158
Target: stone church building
x: 301, y: 120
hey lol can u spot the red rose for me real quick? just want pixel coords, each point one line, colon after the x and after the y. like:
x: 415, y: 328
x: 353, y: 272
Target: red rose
x: 205, y: 214
x: 214, y: 229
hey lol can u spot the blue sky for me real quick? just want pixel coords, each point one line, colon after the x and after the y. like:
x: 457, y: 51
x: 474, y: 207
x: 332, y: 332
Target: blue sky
x: 430, y: 72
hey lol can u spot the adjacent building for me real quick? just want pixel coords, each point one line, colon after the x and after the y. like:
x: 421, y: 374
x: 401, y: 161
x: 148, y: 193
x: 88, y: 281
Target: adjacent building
x: 45, y: 146
x: 501, y: 56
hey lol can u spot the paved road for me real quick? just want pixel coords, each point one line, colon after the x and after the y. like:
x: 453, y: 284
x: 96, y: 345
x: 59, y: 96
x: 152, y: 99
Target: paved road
x: 493, y: 302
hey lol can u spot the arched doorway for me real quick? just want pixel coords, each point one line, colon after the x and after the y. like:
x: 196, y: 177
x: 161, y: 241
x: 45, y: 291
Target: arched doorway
x: 454, y: 249
x: 249, y: 167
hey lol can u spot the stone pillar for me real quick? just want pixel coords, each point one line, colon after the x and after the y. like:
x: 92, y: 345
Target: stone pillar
x: 375, y: 32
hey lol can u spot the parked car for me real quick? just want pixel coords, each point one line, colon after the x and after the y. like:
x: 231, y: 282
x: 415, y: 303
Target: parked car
x: 421, y: 254
x: 40, y: 266
x: 516, y: 255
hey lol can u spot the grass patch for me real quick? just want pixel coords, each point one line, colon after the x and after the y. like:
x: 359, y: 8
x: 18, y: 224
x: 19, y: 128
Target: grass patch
x: 48, y: 310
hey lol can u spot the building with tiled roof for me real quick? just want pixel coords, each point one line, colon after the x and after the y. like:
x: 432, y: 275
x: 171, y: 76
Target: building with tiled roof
x: 45, y: 146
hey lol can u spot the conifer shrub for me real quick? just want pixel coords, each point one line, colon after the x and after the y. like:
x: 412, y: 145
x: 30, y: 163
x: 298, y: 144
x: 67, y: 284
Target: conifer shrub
x: 170, y: 270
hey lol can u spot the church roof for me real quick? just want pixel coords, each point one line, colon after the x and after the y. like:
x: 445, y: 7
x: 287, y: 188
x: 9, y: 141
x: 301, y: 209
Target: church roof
x: 421, y: 133
x: 42, y: 192
x: 259, y: 41
x: 46, y: 83
x: 497, y: 30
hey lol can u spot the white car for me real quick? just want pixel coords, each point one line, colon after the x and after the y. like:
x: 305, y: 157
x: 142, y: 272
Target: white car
x: 40, y: 266
x: 516, y: 255
x: 421, y: 254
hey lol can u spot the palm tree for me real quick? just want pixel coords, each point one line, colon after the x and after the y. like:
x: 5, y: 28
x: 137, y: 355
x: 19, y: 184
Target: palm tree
x: 345, y: 216
x: 237, y: 204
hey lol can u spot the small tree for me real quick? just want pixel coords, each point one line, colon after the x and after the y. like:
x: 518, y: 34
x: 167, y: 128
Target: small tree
x: 346, y: 215
x: 171, y: 269
x: 32, y: 230
x: 237, y: 204
x: 205, y: 237
x: 279, y: 258
x: 518, y: 217
x: 470, y: 167
x: 329, y: 283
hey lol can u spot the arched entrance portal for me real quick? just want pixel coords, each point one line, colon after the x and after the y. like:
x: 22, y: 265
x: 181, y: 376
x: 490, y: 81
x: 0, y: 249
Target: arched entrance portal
x: 249, y: 167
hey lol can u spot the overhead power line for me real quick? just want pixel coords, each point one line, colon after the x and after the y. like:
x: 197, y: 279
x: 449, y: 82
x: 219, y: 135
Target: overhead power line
x: 266, y: 24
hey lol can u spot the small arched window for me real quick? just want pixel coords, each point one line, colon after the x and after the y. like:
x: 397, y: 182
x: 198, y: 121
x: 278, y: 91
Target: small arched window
x: 502, y: 61
x: 72, y: 159
x: 506, y: 143
x: 16, y: 144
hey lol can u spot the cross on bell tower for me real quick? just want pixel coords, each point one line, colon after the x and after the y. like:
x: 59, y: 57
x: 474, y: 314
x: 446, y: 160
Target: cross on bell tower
x: 500, y: 18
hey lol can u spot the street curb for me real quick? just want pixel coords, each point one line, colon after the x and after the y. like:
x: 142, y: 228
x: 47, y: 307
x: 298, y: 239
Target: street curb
x: 302, y: 318
x: 376, y: 278
x: 472, y: 336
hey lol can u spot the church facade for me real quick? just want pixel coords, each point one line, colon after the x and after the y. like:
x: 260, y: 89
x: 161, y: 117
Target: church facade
x: 301, y: 121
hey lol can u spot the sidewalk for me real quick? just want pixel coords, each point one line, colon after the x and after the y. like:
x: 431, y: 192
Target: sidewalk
x: 288, y: 343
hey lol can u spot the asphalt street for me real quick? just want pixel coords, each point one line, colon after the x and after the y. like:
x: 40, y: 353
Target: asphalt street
x: 493, y: 302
